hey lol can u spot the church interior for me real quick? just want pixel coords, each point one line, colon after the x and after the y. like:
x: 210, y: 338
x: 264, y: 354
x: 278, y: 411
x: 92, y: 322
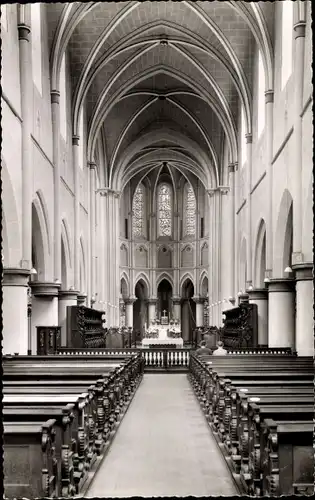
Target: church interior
x: 157, y: 248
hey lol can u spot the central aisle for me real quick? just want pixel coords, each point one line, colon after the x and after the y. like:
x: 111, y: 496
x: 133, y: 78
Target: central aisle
x: 163, y: 447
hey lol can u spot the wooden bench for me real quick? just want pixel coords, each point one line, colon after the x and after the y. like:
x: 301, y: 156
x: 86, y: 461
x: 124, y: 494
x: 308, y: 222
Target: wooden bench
x: 236, y: 419
x: 287, y: 459
x: 84, y: 431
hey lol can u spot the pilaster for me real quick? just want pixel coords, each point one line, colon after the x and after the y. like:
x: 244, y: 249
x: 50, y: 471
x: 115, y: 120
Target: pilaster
x: 55, y: 111
x: 269, y: 178
x: 304, y: 318
x: 281, y: 328
x: 76, y: 235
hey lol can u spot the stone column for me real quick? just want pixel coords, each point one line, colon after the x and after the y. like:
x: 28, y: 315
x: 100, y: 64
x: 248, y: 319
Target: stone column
x: 129, y: 311
x: 176, y: 308
x: 92, y: 227
x: 76, y: 232
x: 298, y: 65
x: 81, y: 299
x: 151, y: 310
x: 26, y: 82
x: 66, y: 298
x: 199, y: 311
x: 281, y: 313
x: 269, y: 180
x: 304, y: 320
x: 212, y: 288
x: 249, y: 211
x: 259, y: 296
x: 44, y: 307
x: 232, y: 286
x: 223, y: 191
x: 14, y: 311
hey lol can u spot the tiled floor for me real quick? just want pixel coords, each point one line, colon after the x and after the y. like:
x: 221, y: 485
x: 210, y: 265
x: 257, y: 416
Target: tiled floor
x: 163, y: 447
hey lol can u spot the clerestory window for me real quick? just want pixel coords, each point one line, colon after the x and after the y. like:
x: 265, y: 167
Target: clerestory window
x: 190, y: 211
x: 138, y: 212
x: 164, y: 210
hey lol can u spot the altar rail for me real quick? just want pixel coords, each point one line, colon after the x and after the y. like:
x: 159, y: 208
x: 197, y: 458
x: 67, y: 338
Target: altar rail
x: 176, y: 360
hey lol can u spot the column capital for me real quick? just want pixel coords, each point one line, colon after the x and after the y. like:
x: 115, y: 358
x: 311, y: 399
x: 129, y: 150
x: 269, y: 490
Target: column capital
x: 92, y: 165
x: 211, y: 192
x: 269, y: 96
x: 54, y: 96
x: 281, y: 285
x: 24, y: 32
x: 68, y: 294
x: 232, y: 167
x: 176, y: 300
x: 224, y: 189
x: 198, y: 299
x: 152, y: 300
x: 299, y: 29
x: 81, y: 298
x: 258, y: 294
x: 249, y: 138
x: 303, y: 271
x: 45, y: 288
x: 15, y: 276
x: 75, y: 140
x: 130, y: 300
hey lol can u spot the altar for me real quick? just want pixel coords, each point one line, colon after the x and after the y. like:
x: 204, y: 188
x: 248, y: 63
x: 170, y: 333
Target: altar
x: 163, y: 333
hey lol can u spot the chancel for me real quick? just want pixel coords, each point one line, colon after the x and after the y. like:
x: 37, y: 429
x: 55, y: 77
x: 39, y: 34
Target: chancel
x: 157, y: 251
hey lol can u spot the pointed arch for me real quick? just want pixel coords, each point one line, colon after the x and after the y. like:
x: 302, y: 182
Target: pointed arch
x: 65, y: 255
x: 184, y: 278
x: 142, y: 277
x: 204, y: 284
x: 11, y: 224
x: 124, y: 286
x: 242, y: 265
x: 260, y: 255
x: 83, y: 277
x: 283, y: 235
x: 164, y: 276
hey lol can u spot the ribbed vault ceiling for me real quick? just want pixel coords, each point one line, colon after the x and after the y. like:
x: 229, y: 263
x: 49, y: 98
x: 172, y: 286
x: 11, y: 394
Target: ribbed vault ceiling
x: 161, y: 81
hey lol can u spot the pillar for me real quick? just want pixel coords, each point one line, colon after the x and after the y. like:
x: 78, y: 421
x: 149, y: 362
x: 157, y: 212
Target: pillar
x: 176, y: 308
x: 129, y: 311
x: 151, y: 310
x: 14, y: 311
x: 298, y: 65
x: 259, y: 296
x: 232, y: 286
x: 199, y: 311
x: 44, y: 308
x: 269, y: 180
x: 81, y: 299
x: 76, y: 233
x: 92, y: 172
x: 304, y: 322
x: 26, y: 82
x: 249, y: 211
x: 66, y: 298
x: 281, y: 313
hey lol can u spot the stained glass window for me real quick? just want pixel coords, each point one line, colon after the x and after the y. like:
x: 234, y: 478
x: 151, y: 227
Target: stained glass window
x: 190, y: 209
x: 138, y: 211
x: 165, y: 210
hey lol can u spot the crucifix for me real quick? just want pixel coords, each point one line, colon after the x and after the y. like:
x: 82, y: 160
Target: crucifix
x: 164, y: 313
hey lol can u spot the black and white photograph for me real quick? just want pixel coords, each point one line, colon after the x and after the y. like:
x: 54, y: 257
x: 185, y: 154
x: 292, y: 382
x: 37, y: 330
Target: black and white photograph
x: 157, y: 249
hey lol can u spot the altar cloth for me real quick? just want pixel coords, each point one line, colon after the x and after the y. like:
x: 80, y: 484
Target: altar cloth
x: 165, y: 341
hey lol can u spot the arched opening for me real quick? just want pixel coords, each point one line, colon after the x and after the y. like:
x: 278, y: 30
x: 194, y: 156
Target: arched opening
x: 288, y: 241
x: 140, y: 309
x: 188, y: 311
x: 204, y: 291
x: 64, y: 277
x: 164, y: 302
x: 283, y: 236
x: 260, y: 256
x: 38, y: 257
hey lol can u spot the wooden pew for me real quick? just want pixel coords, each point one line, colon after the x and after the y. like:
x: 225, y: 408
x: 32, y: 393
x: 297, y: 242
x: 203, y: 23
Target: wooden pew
x: 236, y: 420
x: 30, y: 464
x: 106, y: 401
x: 287, y: 459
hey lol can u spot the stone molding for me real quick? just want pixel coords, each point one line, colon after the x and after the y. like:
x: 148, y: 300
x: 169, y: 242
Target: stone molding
x: 258, y: 294
x: 269, y: 96
x: 303, y: 272
x: 281, y: 285
x: 81, y: 298
x: 92, y: 165
x: 249, y: 138
x: 13, y: 276
x: 44, y: 288
x: 176, y: 300
x: 24, y: 32
x: 199, y: 300
x: 299, y: 29
x: 75, y: 140
x: 151, y: 301
x: 68, y: 294
x: 54, y: 96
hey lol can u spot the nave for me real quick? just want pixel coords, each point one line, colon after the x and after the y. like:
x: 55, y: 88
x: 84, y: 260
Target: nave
x: 164, y: 447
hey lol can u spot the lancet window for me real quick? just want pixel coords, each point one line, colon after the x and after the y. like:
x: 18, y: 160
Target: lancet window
x: 190, y: 211
x: 138, y: 212
x: 165, y: 210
